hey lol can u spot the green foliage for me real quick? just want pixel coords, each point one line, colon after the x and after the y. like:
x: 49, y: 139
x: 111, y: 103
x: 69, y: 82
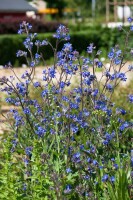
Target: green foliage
x: 88, y: 8
x: 119, y: 189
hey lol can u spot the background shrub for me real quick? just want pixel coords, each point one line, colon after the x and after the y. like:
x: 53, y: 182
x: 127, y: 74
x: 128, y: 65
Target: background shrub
x: 11, y: 26
x: 103, y: 39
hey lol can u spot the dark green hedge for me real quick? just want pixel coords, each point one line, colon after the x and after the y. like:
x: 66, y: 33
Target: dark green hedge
x: 103, y: 38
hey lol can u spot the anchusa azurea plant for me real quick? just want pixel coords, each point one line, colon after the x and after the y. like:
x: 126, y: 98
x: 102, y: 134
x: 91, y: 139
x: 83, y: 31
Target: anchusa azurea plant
x: 67, y: 139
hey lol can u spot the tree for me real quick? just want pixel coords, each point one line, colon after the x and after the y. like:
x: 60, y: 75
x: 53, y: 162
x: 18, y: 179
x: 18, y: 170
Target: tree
x: 88, y: 8
x: 59, y: 4
x: 82, y: 7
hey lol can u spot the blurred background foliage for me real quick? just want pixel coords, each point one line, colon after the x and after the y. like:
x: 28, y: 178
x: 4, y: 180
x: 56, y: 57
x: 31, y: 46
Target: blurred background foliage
x: 79, y: 8
x: 81, y: 37
x: 85, y: 19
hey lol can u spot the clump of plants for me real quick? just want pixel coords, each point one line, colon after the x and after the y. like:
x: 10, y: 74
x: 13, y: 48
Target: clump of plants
x: 68, y: 142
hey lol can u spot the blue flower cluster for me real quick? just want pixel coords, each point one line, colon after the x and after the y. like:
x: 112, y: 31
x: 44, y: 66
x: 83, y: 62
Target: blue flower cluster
x: 62, y: 33
x: 67, y: 123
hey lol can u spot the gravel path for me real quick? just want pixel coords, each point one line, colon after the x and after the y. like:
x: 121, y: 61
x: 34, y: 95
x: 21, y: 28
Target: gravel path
x: 38, y: 73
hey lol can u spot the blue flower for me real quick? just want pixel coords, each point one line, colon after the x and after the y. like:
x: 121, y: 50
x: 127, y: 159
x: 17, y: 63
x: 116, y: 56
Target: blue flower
x: 130, y: 19
x: 24, y: 187
x: 92, y: 77
x: 108, y: 136
x: 106, y: 142
x: 120, y: 111
x: 44, y: 43
x: 20, y: 31
x: 130, y: 98
x: 58, y: 114
x: 21, y: 53
x: 99, y: 64
x: 68, y: 170
x: 28, y: 150
x: 18, y: 120
x: 111, y: 55
x: 21, y: 88
x: 67, y: 47
x: 76, y: 157
x: 90, y: 48
x: 29, y: 26
x: 74, y: 105
x: 62, y: 33
x: 26, y: 111
x: 112, y: 159
x: 113, y: 76
x: 131, y: 161
x: 86, y: 178
x: 109, y: 87
x: 32, y: 64
x: 89, y: 160
x: 74, y: 128
x: 26, y: 161
x: 105, y: 178
x: 25, y: 75
x: 62, y: 84
x: 36, y: 84
x: 131, y: 28
x: 86, y: 61
x: 123, y: 126
x: 130, y: 67
x: 51, y: 72
x: 94, y: 92
x: 44, y: 93
x: 65, y: 98
x: 81, y: 146
x: 24, y: 27
x: 112, y: 179
x: 52, y: 131
x: 38, y: 43
x: 117, y: 61
x: 86, y: 113
x: 116, y: 166
x: 107, y: 74
x: 122, y: 76
x: 118, y: 53
x: 95, y: 162
x: 14, y: 142
x: 10, y: 100
x: 67, y: 189
x: 40, y: 131
x: 100, y: 105
x: 85, y: 74
x: 37, y: 56
x: 28, y: 43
